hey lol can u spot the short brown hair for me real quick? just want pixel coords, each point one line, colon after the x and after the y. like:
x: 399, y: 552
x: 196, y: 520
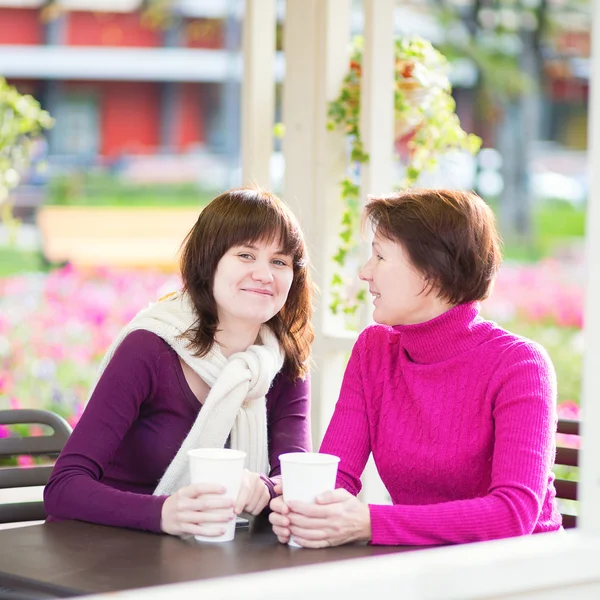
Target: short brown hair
x: 450, y: 237
x: 238, y: 217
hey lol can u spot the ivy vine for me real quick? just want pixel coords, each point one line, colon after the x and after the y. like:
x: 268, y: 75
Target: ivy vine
x: 424, y: 117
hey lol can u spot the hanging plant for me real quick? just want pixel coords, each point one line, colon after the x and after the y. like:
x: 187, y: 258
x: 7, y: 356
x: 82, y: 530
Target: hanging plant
x: 425, y: 122
x: 22, y: 121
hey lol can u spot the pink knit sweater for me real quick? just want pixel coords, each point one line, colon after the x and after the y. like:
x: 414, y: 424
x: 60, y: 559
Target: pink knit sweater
x: 460, y: 417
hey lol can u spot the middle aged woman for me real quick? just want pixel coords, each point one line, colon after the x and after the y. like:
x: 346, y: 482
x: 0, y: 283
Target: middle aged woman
x: 458, y: 413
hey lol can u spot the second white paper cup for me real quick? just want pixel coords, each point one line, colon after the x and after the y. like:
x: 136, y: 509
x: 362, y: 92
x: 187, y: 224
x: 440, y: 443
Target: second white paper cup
x: 305, y: 475
x: 218, y: 465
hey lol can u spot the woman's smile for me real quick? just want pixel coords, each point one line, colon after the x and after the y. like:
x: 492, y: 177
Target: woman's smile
x: 258, y: 291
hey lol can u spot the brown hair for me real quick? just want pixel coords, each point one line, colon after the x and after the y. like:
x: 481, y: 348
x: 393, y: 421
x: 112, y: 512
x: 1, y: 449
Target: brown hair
x: 238, y: 217
x: 450, y: 237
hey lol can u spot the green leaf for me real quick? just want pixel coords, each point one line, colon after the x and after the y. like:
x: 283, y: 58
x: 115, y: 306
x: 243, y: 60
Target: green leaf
x: 412, y: 173
x: 340, y: 257
x: 347, y: 218
x: 346, y: 235
x: 349, y: 188
x: 21, y: 120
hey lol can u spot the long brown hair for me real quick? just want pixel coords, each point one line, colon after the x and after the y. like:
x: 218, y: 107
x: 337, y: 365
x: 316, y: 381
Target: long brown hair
x: 238, y: 217
x: 450, y: 237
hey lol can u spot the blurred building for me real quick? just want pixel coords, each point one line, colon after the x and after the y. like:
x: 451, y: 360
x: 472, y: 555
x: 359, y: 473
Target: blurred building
x: 117, y: 83
x: 567, y: 71
x: 122, y: 83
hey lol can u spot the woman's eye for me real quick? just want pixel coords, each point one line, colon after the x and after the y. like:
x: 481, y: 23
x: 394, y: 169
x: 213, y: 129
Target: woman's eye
x: 280, y: 263
x: 245, y: 255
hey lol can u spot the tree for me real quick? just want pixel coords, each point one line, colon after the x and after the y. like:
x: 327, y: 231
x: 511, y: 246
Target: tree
x: 22, y: 121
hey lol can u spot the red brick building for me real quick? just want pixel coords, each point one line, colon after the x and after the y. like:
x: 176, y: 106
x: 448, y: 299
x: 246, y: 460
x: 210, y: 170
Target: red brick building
x: 115, y: 84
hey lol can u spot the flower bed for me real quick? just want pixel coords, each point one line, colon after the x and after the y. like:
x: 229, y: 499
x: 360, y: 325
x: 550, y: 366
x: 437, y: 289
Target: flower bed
x: 54, y: 328
x: 544, y: 302
x: 549, y: 293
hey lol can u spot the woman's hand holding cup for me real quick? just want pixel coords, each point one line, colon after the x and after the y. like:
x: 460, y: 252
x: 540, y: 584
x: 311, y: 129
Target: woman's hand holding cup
x: 197, y: 509
x: 279, y: 516
x: 254, y: 494
x: 304, y: 477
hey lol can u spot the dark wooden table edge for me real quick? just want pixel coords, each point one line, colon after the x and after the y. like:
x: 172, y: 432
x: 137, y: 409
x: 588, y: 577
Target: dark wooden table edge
x: 25, y: 585
x: 26, y: 582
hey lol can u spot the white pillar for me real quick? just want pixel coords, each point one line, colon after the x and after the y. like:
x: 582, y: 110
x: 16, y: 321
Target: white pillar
x: 377, y: 131
x: 377, y: 111
x: 258, y: 91
x: 589, y: 492
x: 316, y: 39
x: 377, y: 97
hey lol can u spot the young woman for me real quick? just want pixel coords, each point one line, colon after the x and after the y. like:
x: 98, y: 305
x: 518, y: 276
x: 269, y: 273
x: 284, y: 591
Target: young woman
x: 458, y: 413
x: 223, y: 362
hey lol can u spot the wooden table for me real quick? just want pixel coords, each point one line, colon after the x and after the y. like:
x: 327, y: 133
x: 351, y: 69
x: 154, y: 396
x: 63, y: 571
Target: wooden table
x: 72, y: 558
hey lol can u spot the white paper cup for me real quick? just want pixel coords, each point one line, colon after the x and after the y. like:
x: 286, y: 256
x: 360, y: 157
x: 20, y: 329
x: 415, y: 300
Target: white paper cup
x: 218, y: 465
x: 305, y: 475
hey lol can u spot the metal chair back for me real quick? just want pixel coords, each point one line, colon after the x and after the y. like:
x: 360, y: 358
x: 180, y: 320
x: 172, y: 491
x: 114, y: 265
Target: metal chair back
x: 566, y: 489
x: 18, y: 477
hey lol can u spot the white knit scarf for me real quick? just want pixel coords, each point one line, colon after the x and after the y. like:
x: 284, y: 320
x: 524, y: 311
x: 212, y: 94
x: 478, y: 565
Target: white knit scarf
x: 236, y: 403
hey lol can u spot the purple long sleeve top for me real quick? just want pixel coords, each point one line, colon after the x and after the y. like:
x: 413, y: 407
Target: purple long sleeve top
x: 136, y: 419
x: 460, y: 417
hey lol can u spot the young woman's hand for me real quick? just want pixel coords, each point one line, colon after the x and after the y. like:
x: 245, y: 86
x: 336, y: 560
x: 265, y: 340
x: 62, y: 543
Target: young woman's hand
x: 197, y: 509
x: 337, y: 518
x: 279, y: 516
x: 253, y: 496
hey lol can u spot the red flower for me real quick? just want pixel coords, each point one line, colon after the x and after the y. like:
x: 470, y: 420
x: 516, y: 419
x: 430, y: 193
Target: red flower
x: 405, y: 68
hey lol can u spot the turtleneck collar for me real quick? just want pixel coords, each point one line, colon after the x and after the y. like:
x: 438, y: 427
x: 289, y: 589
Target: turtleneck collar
x: 456, y: 331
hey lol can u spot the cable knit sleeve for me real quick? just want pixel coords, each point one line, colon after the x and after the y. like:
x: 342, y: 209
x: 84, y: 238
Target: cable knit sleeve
x: 348, y: 435
x: 524, y: 394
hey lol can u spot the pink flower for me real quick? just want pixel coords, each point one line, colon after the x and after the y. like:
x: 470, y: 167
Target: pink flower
x: 547, y: 292
x: 25, y: 461
x: 568, y: 409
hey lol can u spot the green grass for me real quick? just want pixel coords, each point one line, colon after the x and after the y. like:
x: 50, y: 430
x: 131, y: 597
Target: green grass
x: 558, y: 222
x: 149, y: 201
x: 106, y: 190
x: 139, y: 197
x: 14, y: 261
x: 556, y: 225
